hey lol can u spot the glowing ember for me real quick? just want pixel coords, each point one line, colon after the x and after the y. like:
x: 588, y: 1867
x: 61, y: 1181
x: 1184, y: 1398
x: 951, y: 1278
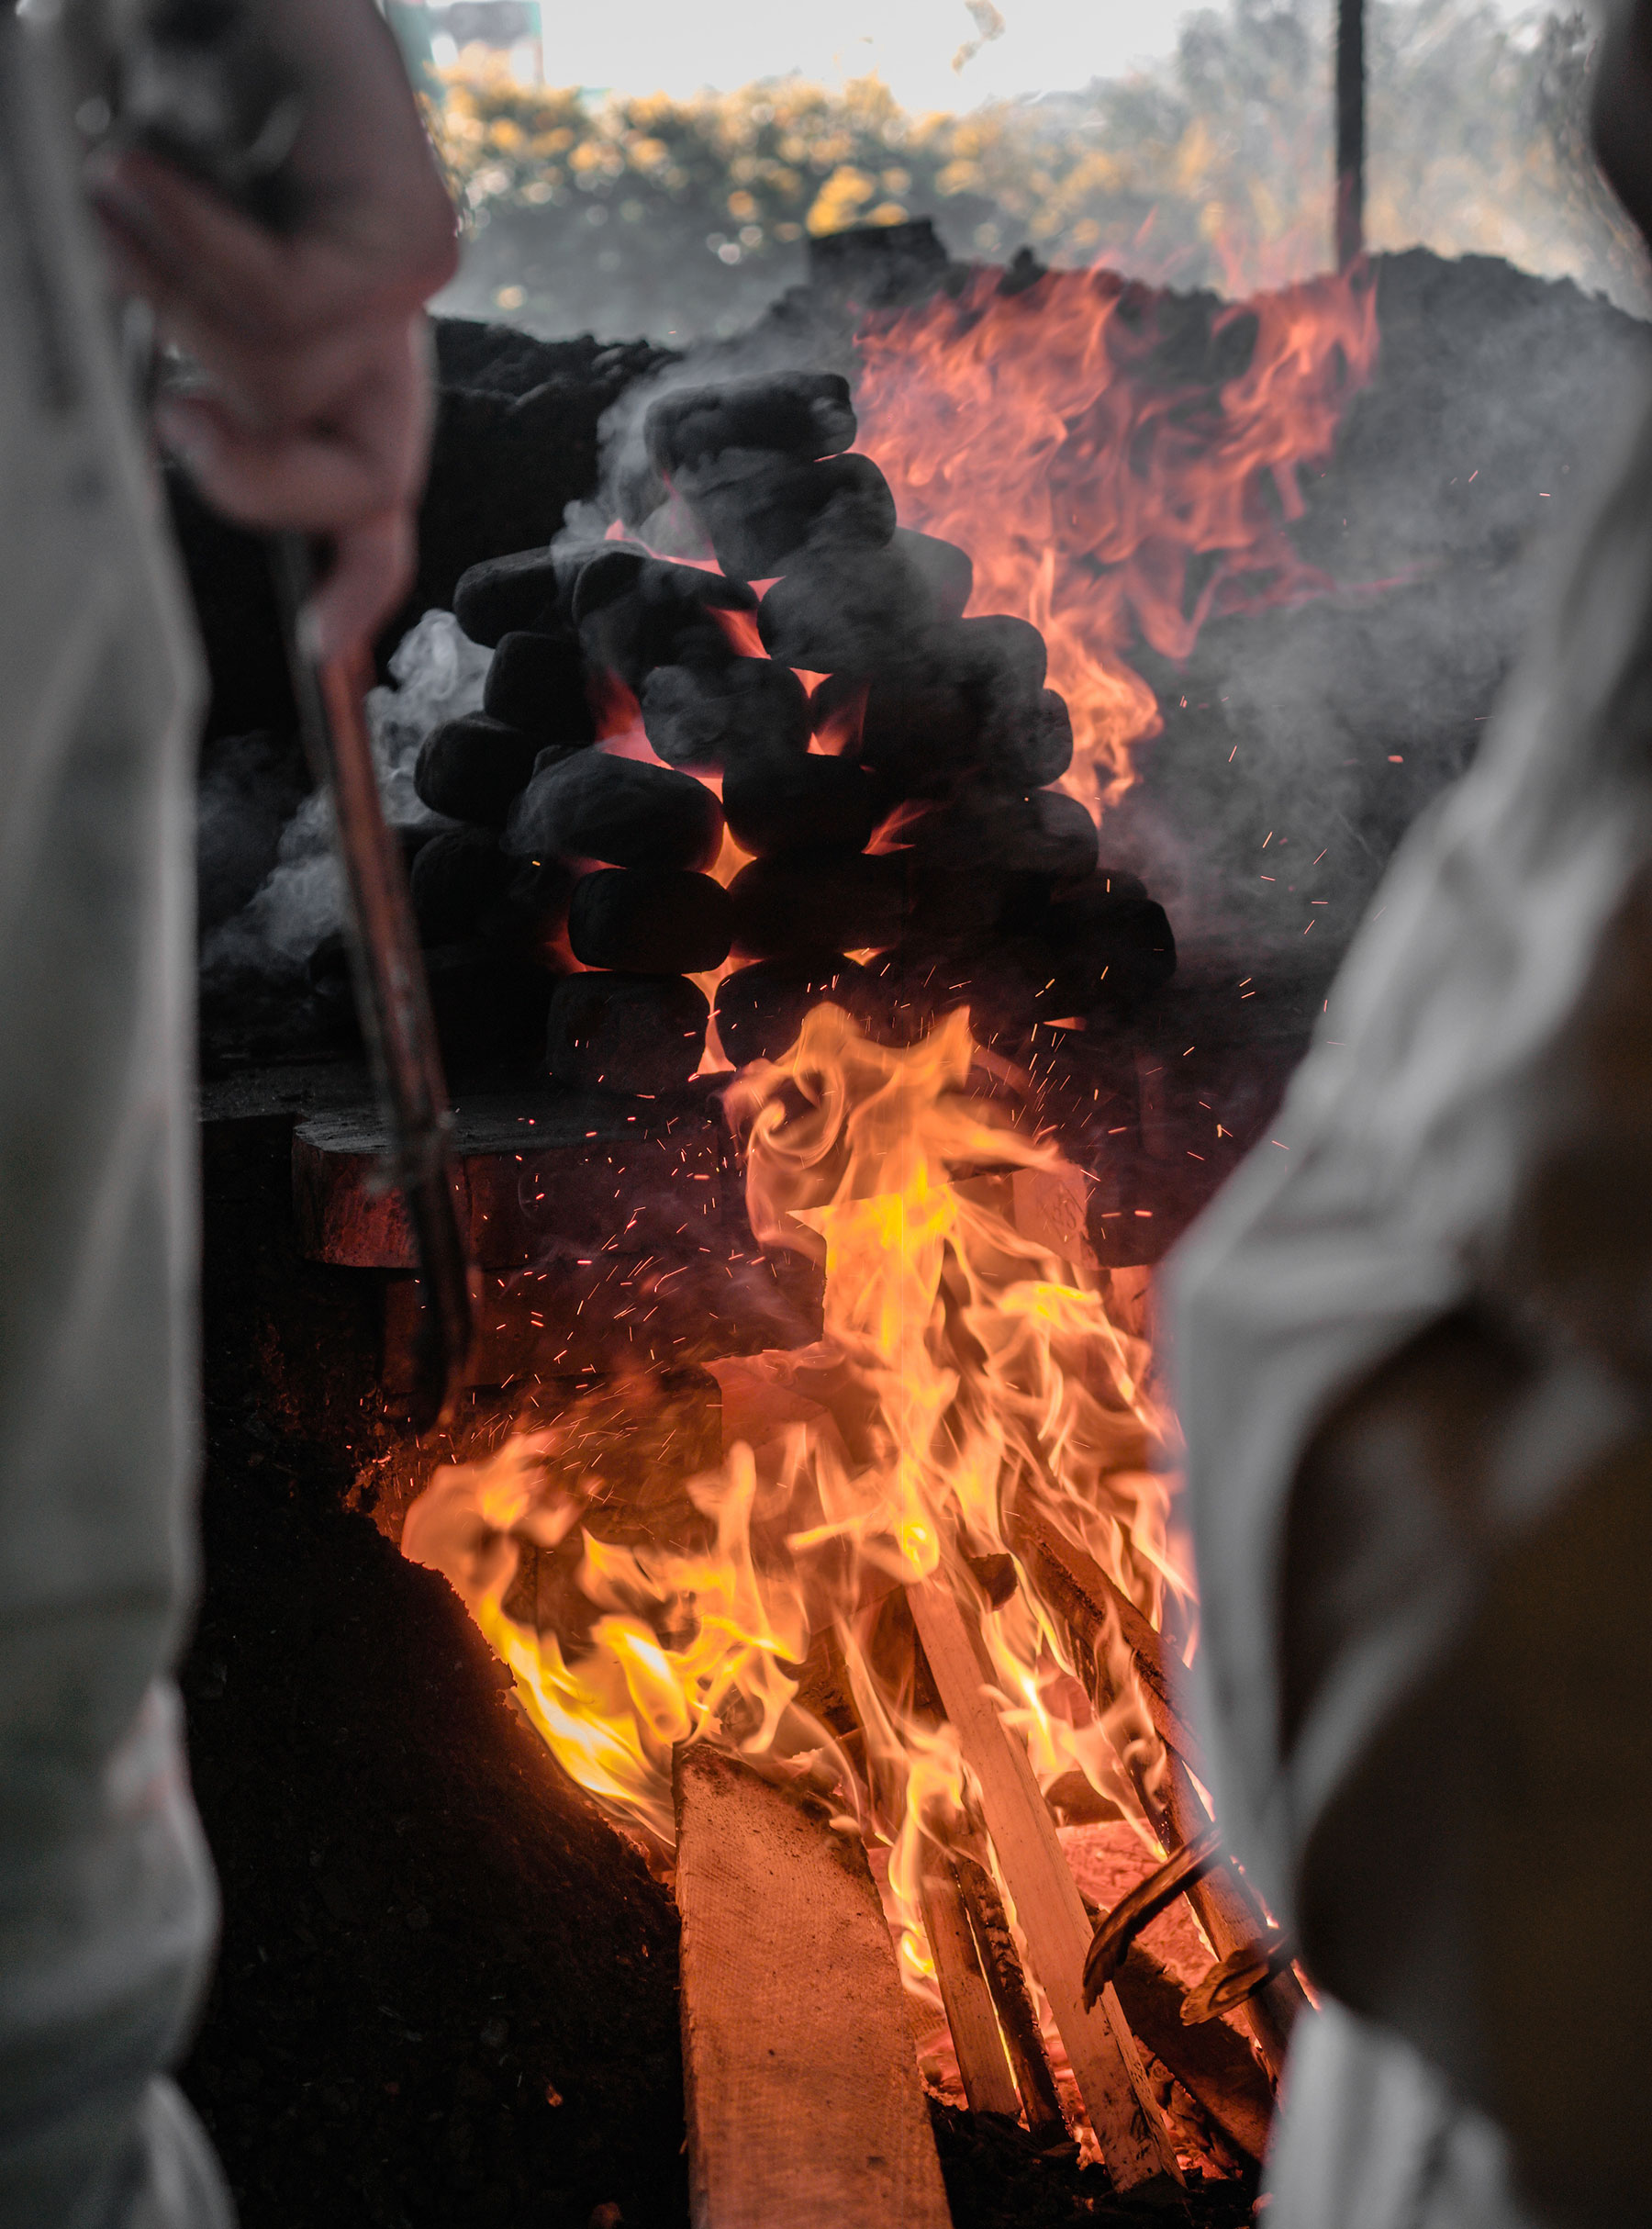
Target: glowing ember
x: 967, y: 1372
x: 1109, y: 481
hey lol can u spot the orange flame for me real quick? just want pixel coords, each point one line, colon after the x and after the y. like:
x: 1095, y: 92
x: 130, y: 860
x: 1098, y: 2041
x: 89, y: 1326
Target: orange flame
x: 1103, y: 475
x: 965, y: 1370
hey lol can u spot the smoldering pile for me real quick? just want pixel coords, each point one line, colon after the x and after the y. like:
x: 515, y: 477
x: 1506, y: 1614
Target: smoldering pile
x: 905, y: 851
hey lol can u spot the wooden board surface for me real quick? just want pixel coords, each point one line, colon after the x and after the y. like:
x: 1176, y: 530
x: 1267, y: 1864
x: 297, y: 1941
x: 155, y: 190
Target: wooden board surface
x: 805, y: 2107
x: 988, y: 2082
x: 1136, y: 2145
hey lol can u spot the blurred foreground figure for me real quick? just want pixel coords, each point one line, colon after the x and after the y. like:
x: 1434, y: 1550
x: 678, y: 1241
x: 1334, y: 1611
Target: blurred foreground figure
x: 311, y: 413
x: 1414, y: 1361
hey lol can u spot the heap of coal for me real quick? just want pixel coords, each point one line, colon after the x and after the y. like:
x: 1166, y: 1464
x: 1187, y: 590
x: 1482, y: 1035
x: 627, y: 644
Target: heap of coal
x: 1311, y: 734
x: 983, y: 887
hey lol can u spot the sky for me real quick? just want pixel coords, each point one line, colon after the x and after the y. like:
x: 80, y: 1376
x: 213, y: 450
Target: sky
x: 675, y: 47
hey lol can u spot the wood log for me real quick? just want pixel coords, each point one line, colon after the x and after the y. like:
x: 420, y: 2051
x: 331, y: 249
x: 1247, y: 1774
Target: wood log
x: 805, y: 2109
x: 1016, y: 2018
x: 1212, y: 2064
x: 1093, y: 1608
x: 1136, y: 2145
x: 988, y: 2083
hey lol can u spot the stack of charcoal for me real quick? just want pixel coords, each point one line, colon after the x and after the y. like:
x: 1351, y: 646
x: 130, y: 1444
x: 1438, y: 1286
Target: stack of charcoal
x: 934, y: 739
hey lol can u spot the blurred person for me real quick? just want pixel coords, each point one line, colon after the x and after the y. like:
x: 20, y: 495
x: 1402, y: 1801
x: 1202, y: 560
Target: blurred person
x: 309, y: 411
x: 1414, y: 1354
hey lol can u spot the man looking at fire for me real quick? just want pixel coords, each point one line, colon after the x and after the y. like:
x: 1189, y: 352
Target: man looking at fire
x: 310, y: 413
x: 1414, y: 1361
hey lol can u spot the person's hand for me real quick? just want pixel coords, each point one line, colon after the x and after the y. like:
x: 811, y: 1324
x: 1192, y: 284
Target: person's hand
x: 312, y: 411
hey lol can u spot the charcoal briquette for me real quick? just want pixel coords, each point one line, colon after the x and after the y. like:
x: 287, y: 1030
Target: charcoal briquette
x: 486, y: 1007
x: 458, y: 877
x: 837, y: 615
x: 635, y: 614
x: 650, y: 921
x: 797, y: 803
x: 474, y: 768
x: 812, y: 900
x: 1032, y: 745
x: 748, y: 712
x: 526, y: 593
x: 1107, y: 946
x: 1044, y: 833
x: 760, y: 1009
x: 797, y: 414
x: 946, y: 571
x: 537, y: 683
x: 766, y: 514
x: 921, y: 733
x: 592, y: 805
x: 631, y: 1034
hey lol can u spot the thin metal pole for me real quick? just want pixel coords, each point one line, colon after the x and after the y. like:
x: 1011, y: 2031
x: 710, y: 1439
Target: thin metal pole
x: 1350, y: 131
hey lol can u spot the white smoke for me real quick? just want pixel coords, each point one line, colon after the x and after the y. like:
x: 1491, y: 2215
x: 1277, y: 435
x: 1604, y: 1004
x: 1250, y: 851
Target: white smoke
x: 438, y: 675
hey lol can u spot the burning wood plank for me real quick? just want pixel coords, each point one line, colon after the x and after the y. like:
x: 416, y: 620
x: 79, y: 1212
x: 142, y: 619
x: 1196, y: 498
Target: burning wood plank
x: 805, y: 2109
x: 1012, y: 2000
x: 1136, y: 2145
x: 1095, y: 1612
x: 988, y: 2083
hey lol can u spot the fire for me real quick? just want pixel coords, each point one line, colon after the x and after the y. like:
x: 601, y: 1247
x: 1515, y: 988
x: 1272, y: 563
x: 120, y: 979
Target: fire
x: 1111, y: 481
x: 965, y: 1372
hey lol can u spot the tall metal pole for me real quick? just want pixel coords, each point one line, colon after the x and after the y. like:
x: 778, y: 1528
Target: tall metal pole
x: 1350, y: 131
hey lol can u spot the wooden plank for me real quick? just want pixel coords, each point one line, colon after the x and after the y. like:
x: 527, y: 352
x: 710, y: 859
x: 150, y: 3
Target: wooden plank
x: 1135, y: 2144
x: 805, y: 2107
x: 988, y: 2082
x: 1212, y: 2064
x: 1094, y: 1608
x: 1012, y: 1999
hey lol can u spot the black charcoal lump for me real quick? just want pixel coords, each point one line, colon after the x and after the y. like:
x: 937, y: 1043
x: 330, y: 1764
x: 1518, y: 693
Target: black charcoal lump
x: 766, y: 514
x: 810, y: 900
x: 650, y: 921
x: 632, y: 1034
x: 457, y: 878
x: 537, y: 683
x: 837, y: 615
x: 592, y: 805
x: 750, y: 712
x: 635, y: 613
x: 525, y: 593
x: 800, y: 803
x: 797, y: 414
x: 760, y: 1009
x: 474, y: 769
x: 1108, y: 945
x: 1042, y: 833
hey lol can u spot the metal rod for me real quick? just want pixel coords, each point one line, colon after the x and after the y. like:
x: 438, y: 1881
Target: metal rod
x: 392, y: 999
x: 1350, y: 132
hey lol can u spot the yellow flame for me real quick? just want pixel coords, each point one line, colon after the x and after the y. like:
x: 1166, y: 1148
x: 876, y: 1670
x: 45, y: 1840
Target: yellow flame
x: 965, y: 1372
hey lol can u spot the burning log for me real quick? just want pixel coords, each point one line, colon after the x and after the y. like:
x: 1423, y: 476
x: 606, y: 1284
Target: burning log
x: 1136, y: 2145
x: 1113, y: 1938
x: 650, y: 921
x: 595, y: 806
x: 803, y: 2097
x: 1095, y: 1611
x: 1017, y: 2019
x: 1212, y: 2064
x: 989, y: 2083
